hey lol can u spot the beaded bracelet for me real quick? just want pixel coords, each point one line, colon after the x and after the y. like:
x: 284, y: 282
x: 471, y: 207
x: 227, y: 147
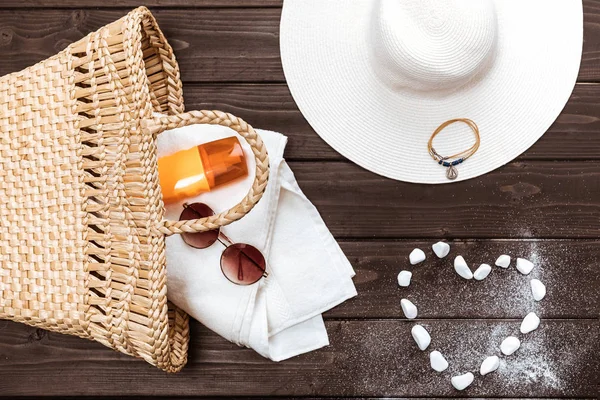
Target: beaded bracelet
x: 452, y: 161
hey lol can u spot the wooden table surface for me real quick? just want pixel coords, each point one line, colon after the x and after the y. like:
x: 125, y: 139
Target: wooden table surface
x: 545, y: 205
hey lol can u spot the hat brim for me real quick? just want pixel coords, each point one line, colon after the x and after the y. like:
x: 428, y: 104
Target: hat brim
x: 325, y: 55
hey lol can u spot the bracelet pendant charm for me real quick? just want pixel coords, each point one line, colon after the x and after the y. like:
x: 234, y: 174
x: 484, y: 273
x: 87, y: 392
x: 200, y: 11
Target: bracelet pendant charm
x: 452, y: 173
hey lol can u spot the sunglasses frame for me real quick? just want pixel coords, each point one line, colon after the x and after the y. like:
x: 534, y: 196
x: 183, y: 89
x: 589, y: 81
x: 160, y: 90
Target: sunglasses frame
x: 225, y: 241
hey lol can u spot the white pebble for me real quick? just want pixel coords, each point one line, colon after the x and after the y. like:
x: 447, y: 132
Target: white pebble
x: 441, y: 249
x: 524, y: 266
x: 530, y: 323
x: 503, y: 261
x: 421, y: 336
x: 490, y: 364
x: 416, y: 256
x: 404, y: 278
x: 510, y: 345
x: 461, y: 268
x: 409, y: 309
x: 482, y: 272
x: 461, y: 382
x: 438, y: 362
x: 538, y: 289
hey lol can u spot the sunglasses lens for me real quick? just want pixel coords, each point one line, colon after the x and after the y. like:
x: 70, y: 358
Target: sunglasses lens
x: 200, y: 240
x: 243, y: 264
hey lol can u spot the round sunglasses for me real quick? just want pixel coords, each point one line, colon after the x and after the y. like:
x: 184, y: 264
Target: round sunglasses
x: 241, y: 263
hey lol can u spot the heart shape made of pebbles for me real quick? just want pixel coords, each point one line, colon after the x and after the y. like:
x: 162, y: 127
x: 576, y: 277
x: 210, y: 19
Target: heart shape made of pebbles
x: 509, y: 346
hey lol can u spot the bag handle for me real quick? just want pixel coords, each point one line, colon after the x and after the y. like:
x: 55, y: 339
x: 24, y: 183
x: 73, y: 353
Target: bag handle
x: 158, y: 125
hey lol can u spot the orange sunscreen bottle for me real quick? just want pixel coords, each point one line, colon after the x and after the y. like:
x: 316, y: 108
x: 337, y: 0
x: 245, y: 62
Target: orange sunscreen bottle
x: 190, y: 172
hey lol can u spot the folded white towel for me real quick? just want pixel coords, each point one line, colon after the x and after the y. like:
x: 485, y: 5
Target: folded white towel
x: 280, y: 316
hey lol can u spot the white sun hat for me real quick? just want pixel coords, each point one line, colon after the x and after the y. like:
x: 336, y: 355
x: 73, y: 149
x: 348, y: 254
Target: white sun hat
x: 375, y: 78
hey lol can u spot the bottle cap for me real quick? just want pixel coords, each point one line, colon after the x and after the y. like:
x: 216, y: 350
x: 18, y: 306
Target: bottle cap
x: 223, y: 160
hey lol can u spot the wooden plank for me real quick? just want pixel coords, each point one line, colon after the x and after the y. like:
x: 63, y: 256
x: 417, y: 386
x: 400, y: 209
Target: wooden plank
x: 533, y: 199
x: 135, y: 3
x: 252, y: 398
x: 210, y: 44
x: 222, y: 44
x: 366, y: 358
x: 590, y: 60
x: 568, y: 268
x: 574, y: 136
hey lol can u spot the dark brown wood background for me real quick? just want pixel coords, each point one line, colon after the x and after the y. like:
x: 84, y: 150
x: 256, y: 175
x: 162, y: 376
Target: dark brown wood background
x: 546, y: 203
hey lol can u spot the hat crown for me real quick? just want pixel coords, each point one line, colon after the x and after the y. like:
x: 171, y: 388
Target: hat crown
x: 428, y: 45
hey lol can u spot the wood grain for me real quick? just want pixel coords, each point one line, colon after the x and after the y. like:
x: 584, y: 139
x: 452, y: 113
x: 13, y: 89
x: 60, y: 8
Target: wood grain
x: 533, y: 199
x: 136, y: 3
x: 366, y: 358
x: 211, y: 44
x: 590, y: 60
x: 574, y: 136
x: 568, y: 268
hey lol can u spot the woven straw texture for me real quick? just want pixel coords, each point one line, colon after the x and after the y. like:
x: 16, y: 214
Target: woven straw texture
x: 81, y: 227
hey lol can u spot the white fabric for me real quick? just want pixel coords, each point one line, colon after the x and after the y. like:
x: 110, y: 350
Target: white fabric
x: 280, y: 316
x: 375, y: 78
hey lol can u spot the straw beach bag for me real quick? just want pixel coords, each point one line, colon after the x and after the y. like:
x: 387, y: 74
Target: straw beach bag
x: 82, y: 236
